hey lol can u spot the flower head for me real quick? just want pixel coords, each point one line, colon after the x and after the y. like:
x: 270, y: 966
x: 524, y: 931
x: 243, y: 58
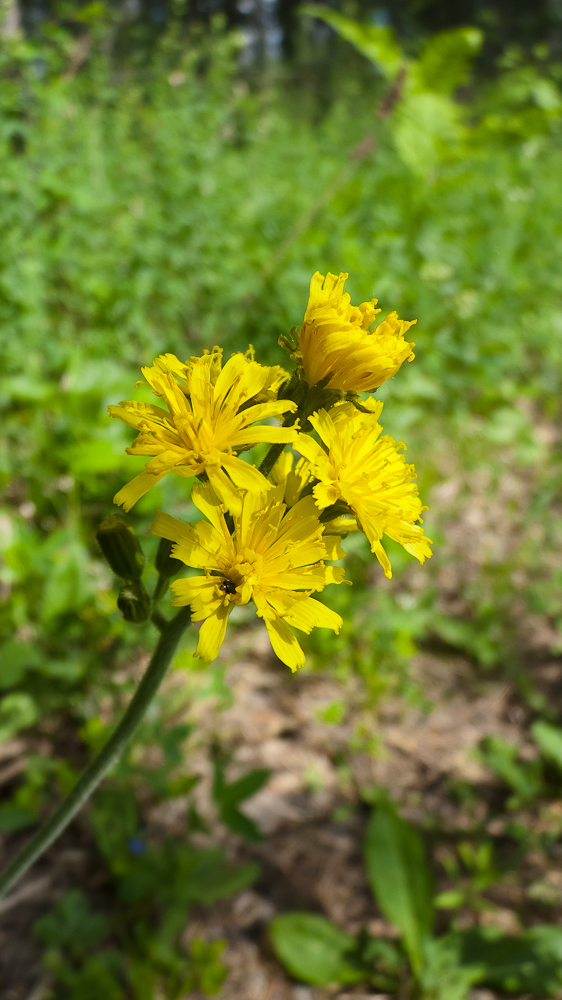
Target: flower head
x: 291, y: 476
x: 211, y: 415
x: 368, y: 473
x: 273, y: 558
x: 335, y: 342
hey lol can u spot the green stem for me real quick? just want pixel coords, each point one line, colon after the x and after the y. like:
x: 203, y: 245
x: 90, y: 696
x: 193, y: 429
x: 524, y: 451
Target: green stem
x: 161, y: 588
x: 160, y: 620
x: 271, y: 458
x: 111, y: 752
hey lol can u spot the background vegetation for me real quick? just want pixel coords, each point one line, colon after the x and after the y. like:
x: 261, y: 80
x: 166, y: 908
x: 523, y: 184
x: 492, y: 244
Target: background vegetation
x: 177, y: 195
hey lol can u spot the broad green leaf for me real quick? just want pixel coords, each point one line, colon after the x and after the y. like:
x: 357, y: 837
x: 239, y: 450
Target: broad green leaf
x: 400, y: 878
x: 376, y: 43
x: 445, y: 59
x: 313, y: 949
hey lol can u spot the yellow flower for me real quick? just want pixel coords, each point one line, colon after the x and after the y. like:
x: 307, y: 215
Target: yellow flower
x: 335, y: 340
x: 274, y: 558
x: 292, y: 477
x: 211, y: 415
x: 368, y: 473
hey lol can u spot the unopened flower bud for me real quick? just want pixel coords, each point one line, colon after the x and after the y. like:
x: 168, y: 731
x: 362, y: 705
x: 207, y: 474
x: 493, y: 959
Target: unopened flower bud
x: 134, y: 603
x: 121, y: 547
x: 166, y: 565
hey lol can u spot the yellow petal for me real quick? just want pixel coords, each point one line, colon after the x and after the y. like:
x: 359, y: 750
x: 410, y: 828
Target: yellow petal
x: 251, y: 435
x: 211, y: 634
x: 245, y: 477
x: 307, y: 446
x: 133, y: 491
x: 310, y: 614
x: 285, y: 646
x: 333, y: 546
x: 198, y: 591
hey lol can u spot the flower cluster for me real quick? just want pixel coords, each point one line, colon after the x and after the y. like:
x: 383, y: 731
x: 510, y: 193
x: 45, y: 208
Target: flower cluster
x: 270, y: 534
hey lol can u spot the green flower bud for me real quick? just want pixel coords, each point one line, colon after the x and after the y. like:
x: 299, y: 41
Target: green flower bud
x: 134, y: 603
x: 166, y: 565
x: 121, y: 547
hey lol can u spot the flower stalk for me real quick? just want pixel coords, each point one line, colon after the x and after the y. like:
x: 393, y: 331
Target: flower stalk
x: 106, y: 758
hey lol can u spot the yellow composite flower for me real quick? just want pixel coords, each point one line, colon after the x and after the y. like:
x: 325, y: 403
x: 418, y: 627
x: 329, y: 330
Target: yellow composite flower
x: 291, y: 476
x: 294, y: 477
x: 212, y: 413
x: 368, y: 473
x: 335, y: 341
x: 273, y: 558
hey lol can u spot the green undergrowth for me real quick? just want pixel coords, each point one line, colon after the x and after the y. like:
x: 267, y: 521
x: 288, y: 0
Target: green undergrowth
x: 182, y: 204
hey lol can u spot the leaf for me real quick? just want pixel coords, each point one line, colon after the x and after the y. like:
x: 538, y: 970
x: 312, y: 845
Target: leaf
x: 114, y: 817
x: 524, y: 778
x: 15, y: 659
x: 241, y: 824
x: 549, y: 739
x: 376, y: 43
x: 400, y: 878
x: 212, y: 881
x: 68, y: 585
x: 17, y: 711
x: 313, y: 949
x: 227, y: 796
x: 446, y: 57
x: 72, y: 924
x: 531, y: 963
x: 443, y: 976
x: 13, y: 818
x: 246, y: 786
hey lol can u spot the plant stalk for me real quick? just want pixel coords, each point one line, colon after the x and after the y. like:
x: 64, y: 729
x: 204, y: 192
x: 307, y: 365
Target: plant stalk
x: 108, y: 756
x: 271, y: 458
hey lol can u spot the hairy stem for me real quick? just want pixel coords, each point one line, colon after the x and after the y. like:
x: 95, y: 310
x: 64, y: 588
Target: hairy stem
x: 271, y: 458
x: 111, y: 752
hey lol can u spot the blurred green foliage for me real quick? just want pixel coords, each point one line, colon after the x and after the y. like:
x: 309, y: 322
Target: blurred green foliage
x: 174, y: 205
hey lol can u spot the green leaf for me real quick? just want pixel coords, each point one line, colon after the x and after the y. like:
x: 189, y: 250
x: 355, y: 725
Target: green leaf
x: 211, y: 881
x: 68, y: 585
x: 525, y: 778
x: 17, y: 711
x: 445, y: 59
x: 236, y: 821
x: 549, y: 739
x: 246, y: 786
x: 15, y: 659
x: 72, y: 924
x: 449, y: 900
x: 531, y: 963
x: 400, y: 878
x: 443, y: 976
x: 227, y: 796
x: 313, y: 949
x: 376, y: 43
x: 13, y: 818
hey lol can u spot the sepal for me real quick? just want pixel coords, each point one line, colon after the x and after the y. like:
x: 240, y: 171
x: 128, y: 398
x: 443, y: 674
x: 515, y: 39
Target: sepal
x: 134, y: 603
x: 121, y: 547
